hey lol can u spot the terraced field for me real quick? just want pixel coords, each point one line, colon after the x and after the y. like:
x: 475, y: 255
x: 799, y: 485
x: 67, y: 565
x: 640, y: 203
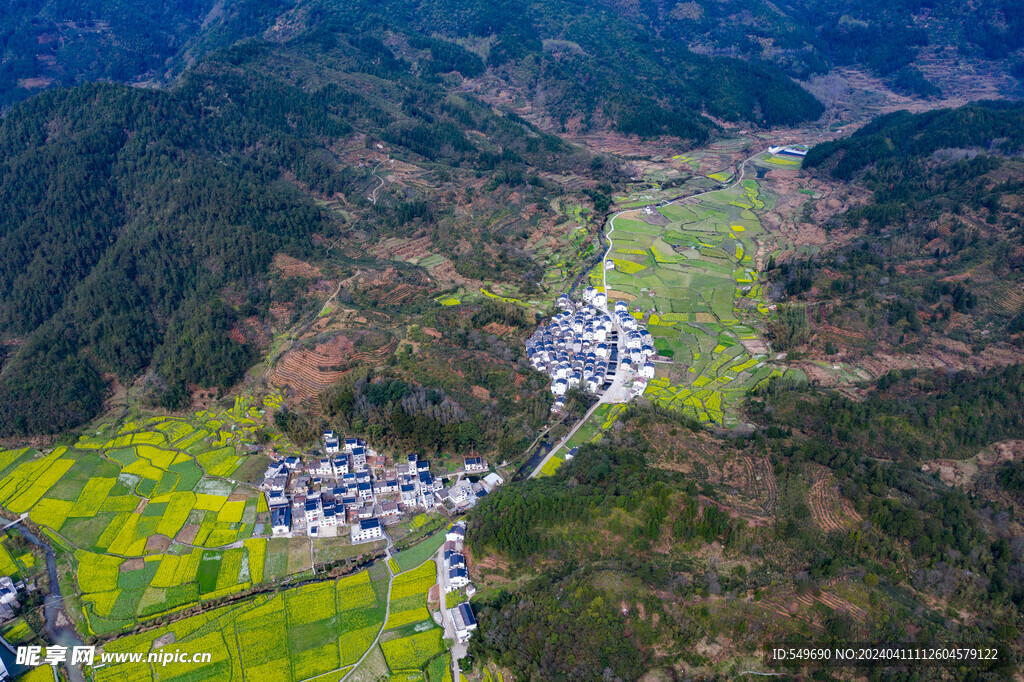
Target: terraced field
x: 147, y: 513
x: 688, y: 268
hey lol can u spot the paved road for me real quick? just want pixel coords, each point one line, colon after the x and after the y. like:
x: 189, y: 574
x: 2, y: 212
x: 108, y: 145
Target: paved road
x: 560, y: 444
x: 614, y: 394
x: 458, y: 649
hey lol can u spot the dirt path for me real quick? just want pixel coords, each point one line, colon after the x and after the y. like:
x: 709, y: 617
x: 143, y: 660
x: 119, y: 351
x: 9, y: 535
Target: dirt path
x: 373, y: 194
x: 387, y: 610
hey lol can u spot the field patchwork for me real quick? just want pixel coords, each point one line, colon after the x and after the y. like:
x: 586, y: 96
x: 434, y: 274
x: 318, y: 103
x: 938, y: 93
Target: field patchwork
x: 698, y: 290
x: 300, y: 633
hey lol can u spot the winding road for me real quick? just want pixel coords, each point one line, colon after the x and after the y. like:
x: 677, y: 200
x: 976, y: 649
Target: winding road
x: 612, y: 392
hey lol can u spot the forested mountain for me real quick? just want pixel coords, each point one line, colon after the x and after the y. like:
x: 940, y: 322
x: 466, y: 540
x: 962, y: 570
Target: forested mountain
x: 133, y: 218
x: 127, y: 213
x: 566, y: 54
x: 650, y: 545
x: 936, y: 258
x: 576, y: 63
x: 132, y: 215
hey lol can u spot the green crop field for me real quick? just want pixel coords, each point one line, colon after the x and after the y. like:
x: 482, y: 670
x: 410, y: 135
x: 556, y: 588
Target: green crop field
x: 700, y: 284
x: 145, y: 517
x: 420, y: 552
x: 297, y: 634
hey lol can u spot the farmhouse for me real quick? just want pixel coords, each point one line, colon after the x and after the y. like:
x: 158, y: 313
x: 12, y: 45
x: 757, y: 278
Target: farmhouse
x: 281, y: 519
x: 457, y: 579
x: 389, y: 509
x: 365, y: 490
x: 276, y: 498
x: 472, y: 464
x: 457, y: 533
x: 492, y: 481
x: 464, y: 620
x: 366, y: 530
x: 460, y: 493
x: 314, y: 512
x: 322, y: 467
x: 277, y: 483
x: 8, y: 592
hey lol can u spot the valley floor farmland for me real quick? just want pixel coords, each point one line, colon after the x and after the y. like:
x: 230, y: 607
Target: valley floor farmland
x: 329, y: 626
x: 688, y: 270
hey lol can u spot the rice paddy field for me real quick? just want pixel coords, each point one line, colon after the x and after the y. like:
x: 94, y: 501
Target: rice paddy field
x: 688, y: 268
x: 297, y: 634
x: 150, y: 516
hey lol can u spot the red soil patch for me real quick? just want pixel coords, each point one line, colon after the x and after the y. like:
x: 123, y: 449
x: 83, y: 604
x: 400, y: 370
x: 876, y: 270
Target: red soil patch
x: 293, y: 267
x: 157, y: 543
x: 398, y: 293
x: 498, y: 329
x: 188, y: 533
x: 830, y: 510
x: 309, y: 371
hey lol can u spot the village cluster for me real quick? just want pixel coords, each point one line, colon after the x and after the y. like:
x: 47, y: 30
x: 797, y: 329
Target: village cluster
x: 346, y: 483
x: 587, y: 346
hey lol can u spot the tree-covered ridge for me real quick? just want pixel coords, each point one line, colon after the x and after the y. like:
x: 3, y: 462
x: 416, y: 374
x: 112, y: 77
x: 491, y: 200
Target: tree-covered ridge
x: 911, y: 416
x: 806, y: 37
x: 902, y: 137
x: 621, y: 537
x: 933, y: 258
x: 575, y: 62
x: 141, y: 224
x: 128, y: 211
x: 601, y: 67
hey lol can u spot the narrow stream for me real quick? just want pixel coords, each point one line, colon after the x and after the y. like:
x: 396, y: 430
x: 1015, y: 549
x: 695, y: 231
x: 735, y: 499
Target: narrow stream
x: 59, y: 629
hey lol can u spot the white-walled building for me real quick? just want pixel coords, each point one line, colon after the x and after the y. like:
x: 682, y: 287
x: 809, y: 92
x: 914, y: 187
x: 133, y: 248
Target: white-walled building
x: 457, y: 579
x: 366, y: 530
x: 314, y: 512
x: 457, y: 533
